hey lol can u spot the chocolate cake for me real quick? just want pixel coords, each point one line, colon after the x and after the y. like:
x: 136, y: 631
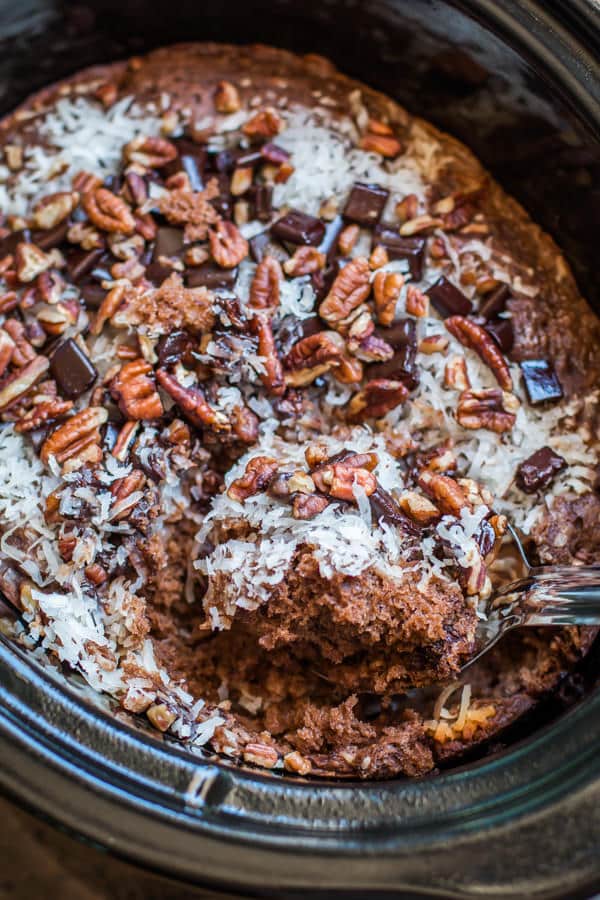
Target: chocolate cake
x: 279, y: 362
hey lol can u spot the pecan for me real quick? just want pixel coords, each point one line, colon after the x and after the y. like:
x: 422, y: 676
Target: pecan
x: 244, y: 424
x: 14, y: 156
x: 418, y: 508
x: 348, y: 238
x: 373, y: 349
x: 350, y: 288
x: 135, y: 392
x: 50, y: 286
x: 256, y: 478
x: 30, y: 261
x: 456, y: 375
x: 161, y: 716
x: 417, y: 303
x: 478, y: 339
x: 433, y: 343
x: 107, y: 211
x: 85, y: 181
x: 135, y: 189
x: 124, y: 440
x: 301, y: 377
x: 227, y: 98
x: 322, y: 348
x: 419, y: 224
x: 146, y: 226
x: 272, y: 377
x: 478, y: 494
x: 307, y: 506
x: 227, y: 245
x: 241, y: 181
x: 305, y: 261
x: 295, y: 762
x: 384, y: 145
x: 360, y: 327
x: 349, y: 370
x: 491, y: 408
x: 261, y: 755
x: 126, y: 247
x: 8, y: 302
x: 66, y: 546
x: 109, y: 306
x: 131, y: 269
x: 407, y: 208
x: 448, y: 495
x: 377, y: 398
x: 86, y: 236
x: 379, y: 257
x: 77, y: 437
x: 152, y: 152
x: 192, y: 403
x: 386, y: 291
x: 53, y: 209
x: 7, y: 346
x: 264, y: 290
x: 264, y: 124
x: 338, y: 480
x: 106, y: 93
x: 97, y: 574
x: 196, y: 255
x: 23, y: 352
x: 56, y: 319
x: 42, y: 413
x: 123, y: 491
x: 21, y: 381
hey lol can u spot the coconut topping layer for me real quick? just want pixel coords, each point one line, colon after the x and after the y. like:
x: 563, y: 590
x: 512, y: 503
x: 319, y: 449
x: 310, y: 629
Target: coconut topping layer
x: 277, y: 364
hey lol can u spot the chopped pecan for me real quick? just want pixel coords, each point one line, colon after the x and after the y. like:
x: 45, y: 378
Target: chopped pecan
x: 261, y: 755
x: 360, y: 326
x: 379, y: 257
x: 109, y: 306
x: 241, y: 181
x: 107, y: 211
x: 386, y: 291
x: 383, y: 144
x: 22, y: 380
x: 266, y: 123
x: 433, y: 343
x: 349, y: 370
x: 350, y: 288
x: 57, y: 318
x: 227, y: 246
x: 30, y: 261
x: 264, y: 290
x: 88, y: 237
x: 125, y: 248
x: 43, y: 413
x: 305, y: 261
x: 491, y: 408
x: 7, y: 346
x: 50, y: 286
x: 152, y: 152
x: 78, y: 438
x: 407, y: 208
x: 23, y: 352
x: 417, y: 303
x: 456, y: 375
x: 124, y: 440
x: 53, y: 209
x: 419, y: 224
x: 322, y: 348
x: 123, y: 491
x: 106, y: 93
x: 307, y: 506
x: 244, y: 424
x: 448, y: 495
x: 478, y: 339
x: 135, y: 392
x: 377, y: 398
x: 348, y: 238
x: 192, y: 403
x: 418, y: 508
x: 258, y: 474
x: 373, y: 348
x: 161, y: 716
x: 227, y: 98
x: 272, y: 377
x: 339, y: 480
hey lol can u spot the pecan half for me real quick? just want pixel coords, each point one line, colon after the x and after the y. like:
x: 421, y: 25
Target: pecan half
x: 417, y: 303
x: 227, y: 98
x: 21, y: 381
x: 77, y: 437
x: 266, y: 123
x: 227, y: 245
x: 322, y: 348
x: 152, y: 152
x: 107, y: 211
x: 348, y: 238
x: 338, y: 480
x: 386, y: 291
x: 448, y: 495
x: 350, y: 288
x: 408, y: 207
x: 264, y: 290
x: 478, y: 339
x: 244, y: 424
x: 135, y: 392
x: 491, y: 408
x: 272, y: 377
x: 43, y: 413
x: 258, y: 474
x: 53, y: 209
x: 377, y: 398
x: 123, y: 490
x: 192, y: 403
x: 305, y: 261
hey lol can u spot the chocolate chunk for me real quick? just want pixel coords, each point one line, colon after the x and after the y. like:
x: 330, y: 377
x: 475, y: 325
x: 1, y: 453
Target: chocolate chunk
x: 224, y: 202
x: 169, y: 242
x: 262, y: 245
x: 448, y: 300
x: 366, y: 204
x: 9, y: 243
x: 541, y: 381
x: 228, y: 160
x: 261, y: 201
x: 192, y: 160
x: 539, y: 470
x: 157, y: 273
x: 383, y: 506
x: 322, y: 280
x: 71, y: 369
x: 329, y: 244
x: 299, y: 228
x: 171, y: 348
x: 485, y: 537
x: 402, y: 336
x: 48, y: 238
x: 93, y: 293
x: 81, y: 262
x: 402, y: 333
x: 494, y: 303
x: 502, y: 332
x: 111, y: 433
x: 274, y: 154
x: 409, y: 248
x: 210, y: 276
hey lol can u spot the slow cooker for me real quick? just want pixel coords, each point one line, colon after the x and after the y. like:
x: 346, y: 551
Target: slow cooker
x: 519, y: 82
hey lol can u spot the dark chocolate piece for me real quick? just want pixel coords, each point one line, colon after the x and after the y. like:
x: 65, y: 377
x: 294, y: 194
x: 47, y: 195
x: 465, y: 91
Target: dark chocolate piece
x: 71, y: 369
x: 539, y: 470
x: 402, y: 336
x: 157, y: 273
x: 169, y: 242
x: 503, y: 333
x: 485, y: 537
x: 48, y: 238
x: 299, y: 228
x: 173, y: 347
x: 192, y: 158
x: 409, y: 248
x: 448, y: 299
x: 261, y: 201
x: 366, y: 204
x: 494, y: 303
x: 274, y: 154
x: 262, y: 245
x: 81, y: 262
x: 322, y: 280
x: 92, y: 292
x: 210, y: 276
x: 541, y: 381
x: 224, y: 202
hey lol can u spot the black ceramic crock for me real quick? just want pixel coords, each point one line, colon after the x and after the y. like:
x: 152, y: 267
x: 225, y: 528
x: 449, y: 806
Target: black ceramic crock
x: 517, y: 81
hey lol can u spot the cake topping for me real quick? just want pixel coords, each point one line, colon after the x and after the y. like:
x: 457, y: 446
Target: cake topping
x: 538, y: 470
x: 541, y: 381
